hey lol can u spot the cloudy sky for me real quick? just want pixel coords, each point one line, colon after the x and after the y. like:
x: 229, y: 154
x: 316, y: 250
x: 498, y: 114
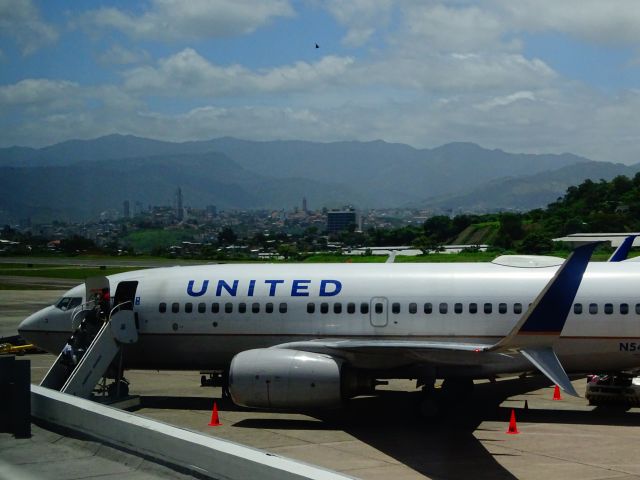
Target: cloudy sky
x: 525, y: 76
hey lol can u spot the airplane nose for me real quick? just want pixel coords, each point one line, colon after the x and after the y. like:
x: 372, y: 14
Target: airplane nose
x: 31, y: 324
x: 47, y: 329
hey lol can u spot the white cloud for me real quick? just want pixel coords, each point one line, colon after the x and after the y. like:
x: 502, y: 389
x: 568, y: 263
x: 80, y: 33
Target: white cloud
x: 594, y: 20
x: 505, y: 100
x: 360, y: 17
x: 38, y: 92
x: 176, y: 19
x: 451, y: 29
x: 189, y: 74
x: 119, y: 55
x: 20, y: 19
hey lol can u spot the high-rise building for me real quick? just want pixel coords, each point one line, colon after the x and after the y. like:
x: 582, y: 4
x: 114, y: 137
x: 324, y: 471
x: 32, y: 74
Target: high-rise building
x: 126, y: 212
x: 341, y: 220
x: 304, y: 204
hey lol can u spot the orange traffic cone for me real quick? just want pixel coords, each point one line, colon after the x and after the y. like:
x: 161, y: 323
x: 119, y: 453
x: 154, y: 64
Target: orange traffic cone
x: 513, y: 428
x: 215, y: 421
x: 556, y: 393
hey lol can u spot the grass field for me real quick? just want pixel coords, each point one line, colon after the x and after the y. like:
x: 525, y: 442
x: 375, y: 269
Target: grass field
x: 79, y: 273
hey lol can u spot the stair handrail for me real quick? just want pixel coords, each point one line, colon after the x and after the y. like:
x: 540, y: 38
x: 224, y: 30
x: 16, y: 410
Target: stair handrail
x: 79, y: 309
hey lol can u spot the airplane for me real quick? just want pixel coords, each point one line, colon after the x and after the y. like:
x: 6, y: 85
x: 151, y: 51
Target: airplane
x: 306, y: 336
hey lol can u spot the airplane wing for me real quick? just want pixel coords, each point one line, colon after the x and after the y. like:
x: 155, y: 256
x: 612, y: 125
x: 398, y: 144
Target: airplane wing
x: 533, y: 336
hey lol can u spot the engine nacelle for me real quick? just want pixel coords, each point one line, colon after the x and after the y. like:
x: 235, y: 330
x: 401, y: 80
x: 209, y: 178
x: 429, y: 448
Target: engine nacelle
x: 281, y: 378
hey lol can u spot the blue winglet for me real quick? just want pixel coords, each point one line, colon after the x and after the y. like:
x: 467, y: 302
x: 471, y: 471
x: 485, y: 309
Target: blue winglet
x: 622, y: 251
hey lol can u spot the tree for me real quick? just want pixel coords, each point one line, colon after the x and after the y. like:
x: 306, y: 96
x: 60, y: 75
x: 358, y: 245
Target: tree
x: 76, y: 243
x: 227, y: 236
x: 438, y: 227
x: 287, y: 251
x: 536, y: 243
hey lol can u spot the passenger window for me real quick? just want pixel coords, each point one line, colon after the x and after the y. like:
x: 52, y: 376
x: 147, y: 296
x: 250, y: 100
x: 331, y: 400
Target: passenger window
x: 188, y: 307
x: 457, y: 307
x: 175, y: 307
x: 255, y: 308
x: 593, y: 308
x: 443, y: 307
x: 517, y: 308
x: 268, y: 307
x: 228, y: 307
x: 488, y: 308
x: 473, y: 308
x: 282, y: 308
x: 202, y: 307
x: 577, y: 308
x: 242, y: 308
x: 215, y: 308
x: 502, y: 308
x: 428, y: 308
x: 162, y: 307
x: 638, y: 308
x: 624, y: 308
x: 395, y: 307
x: 324, y: 307
x: 311, y: 307
x: 608, y: 308
x: 351, y: 308
x: 413, y: 308
x: 379, y: 308
x: 337, y: 307
x: 364, y: 308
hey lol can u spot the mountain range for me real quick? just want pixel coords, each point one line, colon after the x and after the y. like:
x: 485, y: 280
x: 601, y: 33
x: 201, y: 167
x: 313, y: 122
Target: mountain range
x: 77, y: 179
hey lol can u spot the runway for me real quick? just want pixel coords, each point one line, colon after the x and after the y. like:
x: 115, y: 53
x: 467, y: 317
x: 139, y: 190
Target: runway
x: 382, y: 437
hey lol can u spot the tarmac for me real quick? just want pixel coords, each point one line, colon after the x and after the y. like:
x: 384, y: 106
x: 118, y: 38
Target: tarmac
x: 377, y: 437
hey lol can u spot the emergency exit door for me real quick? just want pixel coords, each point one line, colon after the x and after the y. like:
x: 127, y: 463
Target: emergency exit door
x: 379, y: 311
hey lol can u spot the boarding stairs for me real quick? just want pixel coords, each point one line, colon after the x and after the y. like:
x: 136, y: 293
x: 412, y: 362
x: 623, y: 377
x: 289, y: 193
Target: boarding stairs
x: 118, y: 330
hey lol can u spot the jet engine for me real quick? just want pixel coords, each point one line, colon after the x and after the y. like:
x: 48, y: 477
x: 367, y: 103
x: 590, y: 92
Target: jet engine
x: 282, y: 378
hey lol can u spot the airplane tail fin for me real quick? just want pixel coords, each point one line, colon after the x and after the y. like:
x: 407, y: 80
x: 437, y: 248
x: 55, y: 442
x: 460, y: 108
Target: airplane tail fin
x: 622, y: 251
x: 541, y: 325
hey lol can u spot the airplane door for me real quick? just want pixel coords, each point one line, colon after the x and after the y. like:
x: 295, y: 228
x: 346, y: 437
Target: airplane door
x: 125, y: 295
x: 378, y: 311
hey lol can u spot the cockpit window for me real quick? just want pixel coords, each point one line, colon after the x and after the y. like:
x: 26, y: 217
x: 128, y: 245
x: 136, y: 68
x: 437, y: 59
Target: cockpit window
x: 67, y: 303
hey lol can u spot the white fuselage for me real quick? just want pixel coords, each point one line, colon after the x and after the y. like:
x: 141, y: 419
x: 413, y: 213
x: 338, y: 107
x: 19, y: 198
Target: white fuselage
x: 363, y: 301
